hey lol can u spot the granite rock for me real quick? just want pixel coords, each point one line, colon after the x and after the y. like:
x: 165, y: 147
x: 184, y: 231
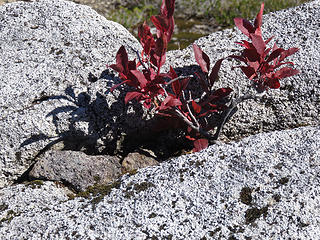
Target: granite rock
x: 134, y: 161
x: 54, y: 83
x: 76, y: 169
x: 297, y: 102
x: 263, y: 187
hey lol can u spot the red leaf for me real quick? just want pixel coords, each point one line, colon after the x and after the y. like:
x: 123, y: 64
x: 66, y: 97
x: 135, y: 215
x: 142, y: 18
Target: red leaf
x: 143, y: 31
x: 218, y: 95
x: 203, y: 82
x: 258, y: 21
x: 156, y: 60
x: 244, y: 26
x: 132, y: 65
x: 184, y: 83
x: 146, y: 38
x: 170, y: 29
x: 245, y: 44
x: 132, y: 95
x: 222, y: 92
x: 276, y: 53
x: 167, y: 8
x: 288, y: 53
x: 196, y: 107
x: 273, y: 83
x: 269, y: 39
x: 140, y: 77
x: 249, y: 72
x: 122, y: 59
x: 176, y: 85
x: 172, y: 73
x: 285, y: 72
x: 258, y: 43
x: 176, y: 88
x: 169, y: 102
x: 116, y: 67
x: 161, y: 46
x: 172, y: 101
x: 251, y: 54
x: 201, y: 58
x: 153, y: 57
x: 160, y: 22
x: 162, y: 61
x: 121, y: 65
x: 275, y: 47
x: 165, y: 22
x: 200, y: 144
x: 214, y: 72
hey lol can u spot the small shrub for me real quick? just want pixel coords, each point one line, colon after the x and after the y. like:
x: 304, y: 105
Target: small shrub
x: 168, y: 95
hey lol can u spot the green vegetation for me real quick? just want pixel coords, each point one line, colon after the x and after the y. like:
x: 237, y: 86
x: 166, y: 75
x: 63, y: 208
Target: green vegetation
x: 10, y: 215
x: 34, y: 184
x: 130, y: 17
x: 96, y: 192
x: 225, y: 11
x: 191, y: 12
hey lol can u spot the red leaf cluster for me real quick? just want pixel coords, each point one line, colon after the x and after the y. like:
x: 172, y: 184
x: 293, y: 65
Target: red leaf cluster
x: 168, y: 94
x: 207, y: 81
x: 147, y: 82
x: 261, y: 63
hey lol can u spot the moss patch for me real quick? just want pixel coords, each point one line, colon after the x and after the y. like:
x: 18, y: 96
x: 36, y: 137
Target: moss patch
x: 10, y: 215
x: 96, y: 192
x: 137, y: 188
x: 34, y: 184
x: 3, y: 207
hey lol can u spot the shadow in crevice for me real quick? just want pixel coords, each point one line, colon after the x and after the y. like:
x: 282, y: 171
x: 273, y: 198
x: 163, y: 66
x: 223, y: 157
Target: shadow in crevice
x: 97, y: 123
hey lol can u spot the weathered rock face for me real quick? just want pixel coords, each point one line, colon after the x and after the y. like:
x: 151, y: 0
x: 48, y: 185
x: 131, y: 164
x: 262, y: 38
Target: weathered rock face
x: 135, y: 161
x: 263, y: 187
x: 51, y: 55
x: 76, y: 169
x: 53, y: 52
x: 297, y: 102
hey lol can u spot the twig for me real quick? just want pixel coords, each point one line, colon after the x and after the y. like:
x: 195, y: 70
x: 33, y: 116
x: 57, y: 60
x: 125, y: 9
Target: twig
x: 190, y: 124
x: 231, y: 108
x: 178, y: 78
x: 191, y: 114
x: 139, y: 58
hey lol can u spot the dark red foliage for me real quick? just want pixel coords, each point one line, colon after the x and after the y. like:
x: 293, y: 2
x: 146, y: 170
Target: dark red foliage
x: 147, y: 82
x: 203, y: 60
x: 165, y: 21
x: 262, y: 62
x: 200, y: 144
x: 146, y: 38
x: 169, y: 103
x: 167, y: 93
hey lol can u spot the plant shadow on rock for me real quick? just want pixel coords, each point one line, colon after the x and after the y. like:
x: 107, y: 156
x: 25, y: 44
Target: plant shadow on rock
x: 106, y: 127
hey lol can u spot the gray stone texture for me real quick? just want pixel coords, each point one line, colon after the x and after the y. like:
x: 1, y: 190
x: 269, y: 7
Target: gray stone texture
x: 263, y: 187
x: 76, y: 169
x: 51, y: 54
x: 297, y: 102
x: 135, y: 161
